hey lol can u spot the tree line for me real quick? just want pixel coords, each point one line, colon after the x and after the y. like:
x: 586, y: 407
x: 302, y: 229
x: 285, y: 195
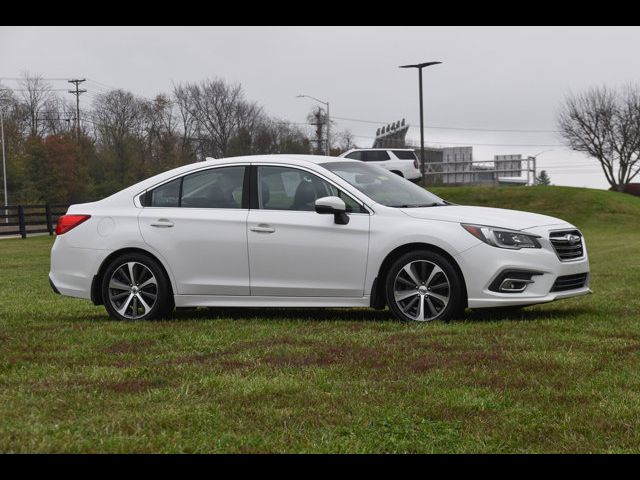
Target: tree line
x: 123, y: 138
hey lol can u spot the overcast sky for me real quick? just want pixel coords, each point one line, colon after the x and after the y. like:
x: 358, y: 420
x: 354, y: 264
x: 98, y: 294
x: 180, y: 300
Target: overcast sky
x: 499, y: 78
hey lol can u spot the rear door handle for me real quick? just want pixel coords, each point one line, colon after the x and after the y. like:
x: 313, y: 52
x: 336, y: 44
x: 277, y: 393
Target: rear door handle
x: 162, y: 223
x: 262, y: 228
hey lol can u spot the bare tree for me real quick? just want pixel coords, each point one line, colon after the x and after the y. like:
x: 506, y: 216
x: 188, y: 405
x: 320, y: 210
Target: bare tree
x: 35, y: 94
x: 182, y: 101
x: 605, y: 124
x: 218, y: 112
x: 57, y: 116
x: 346, y: 140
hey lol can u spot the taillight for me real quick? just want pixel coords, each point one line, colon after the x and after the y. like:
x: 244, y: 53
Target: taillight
x: 416, y: 164
x: 68, y: 222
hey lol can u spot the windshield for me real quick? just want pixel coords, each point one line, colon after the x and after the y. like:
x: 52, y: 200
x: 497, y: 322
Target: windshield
x: 382, y: 186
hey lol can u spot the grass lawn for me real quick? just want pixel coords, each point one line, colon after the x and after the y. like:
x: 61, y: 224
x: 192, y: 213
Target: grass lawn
x: 561, y: 377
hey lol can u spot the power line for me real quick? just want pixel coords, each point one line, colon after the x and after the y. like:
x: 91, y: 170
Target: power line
x: 481, y: 144
x: 441, y: 127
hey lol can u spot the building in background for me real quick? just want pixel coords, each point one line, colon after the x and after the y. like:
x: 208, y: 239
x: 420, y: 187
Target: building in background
x: 392, y: 135
x: 455, y: 165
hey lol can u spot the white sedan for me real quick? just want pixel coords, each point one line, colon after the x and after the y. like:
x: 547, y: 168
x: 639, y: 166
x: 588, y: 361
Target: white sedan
x: 307, y: 231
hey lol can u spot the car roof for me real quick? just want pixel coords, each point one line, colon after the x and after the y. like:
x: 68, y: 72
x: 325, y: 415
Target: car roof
x: 284, y: 157
x: 379, y: 148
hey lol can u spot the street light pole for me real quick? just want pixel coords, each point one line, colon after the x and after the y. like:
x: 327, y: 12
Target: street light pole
x: 328, y: 149
x: 420, y: 66
x: 535, y: 160
x: 4, y: 164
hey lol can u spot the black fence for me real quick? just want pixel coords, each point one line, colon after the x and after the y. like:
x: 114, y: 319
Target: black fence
x: 29, y: 219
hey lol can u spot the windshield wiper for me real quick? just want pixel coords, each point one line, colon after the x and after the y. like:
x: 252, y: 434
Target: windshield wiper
x: 417, y: 205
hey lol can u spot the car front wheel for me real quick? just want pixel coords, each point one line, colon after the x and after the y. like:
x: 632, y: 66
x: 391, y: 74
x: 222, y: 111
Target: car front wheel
x: 135, y: 287
x: 423, y: 286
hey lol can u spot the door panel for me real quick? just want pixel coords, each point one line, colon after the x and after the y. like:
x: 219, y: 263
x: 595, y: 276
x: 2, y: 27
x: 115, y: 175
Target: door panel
x: 206, y: 248
x: 296, y: 252
x: 307, y: 254
x: 198, y: 225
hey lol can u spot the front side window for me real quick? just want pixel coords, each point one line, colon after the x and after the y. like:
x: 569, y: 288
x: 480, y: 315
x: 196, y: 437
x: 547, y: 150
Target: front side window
x: 375, y: 156
x: 214, y: 188
x: 355, y: 155
x: 285, y: 188
x: 382, y: 186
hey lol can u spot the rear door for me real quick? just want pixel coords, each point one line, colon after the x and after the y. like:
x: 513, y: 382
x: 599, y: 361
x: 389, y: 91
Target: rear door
x: 198, y: 224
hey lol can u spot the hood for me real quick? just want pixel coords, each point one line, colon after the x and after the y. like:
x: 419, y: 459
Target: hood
x: 496, y: 217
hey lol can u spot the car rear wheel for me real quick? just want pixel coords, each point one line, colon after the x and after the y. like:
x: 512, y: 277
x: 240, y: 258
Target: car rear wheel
x: 423, y: 286
x: 135, y: 287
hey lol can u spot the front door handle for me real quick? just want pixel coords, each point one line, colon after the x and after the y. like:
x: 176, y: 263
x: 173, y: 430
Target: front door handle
x: 162, y: 223
x: 262, y: 228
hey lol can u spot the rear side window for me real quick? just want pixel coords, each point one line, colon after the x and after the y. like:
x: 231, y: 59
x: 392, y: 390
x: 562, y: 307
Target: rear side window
x: 167, y: 195
x: 214, y: 188
x: 405, y: 154
x: 375, y: 156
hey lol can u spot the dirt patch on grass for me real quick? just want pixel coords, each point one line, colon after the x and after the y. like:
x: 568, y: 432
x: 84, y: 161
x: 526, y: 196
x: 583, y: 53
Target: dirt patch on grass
x: 324, y: 355
x: 499, y: 382
x: 129, y: 386
x: 448, y: 357
x: 124, y: 347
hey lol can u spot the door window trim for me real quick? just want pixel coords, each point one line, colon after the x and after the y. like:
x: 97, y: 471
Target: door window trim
x: 245, y: 188
x: 254, y: 204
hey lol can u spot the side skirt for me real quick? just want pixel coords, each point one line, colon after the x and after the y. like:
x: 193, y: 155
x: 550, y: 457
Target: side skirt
x: 266, y: 301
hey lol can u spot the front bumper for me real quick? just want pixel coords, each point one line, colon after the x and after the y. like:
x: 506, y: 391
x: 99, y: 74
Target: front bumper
x: 483, y: 263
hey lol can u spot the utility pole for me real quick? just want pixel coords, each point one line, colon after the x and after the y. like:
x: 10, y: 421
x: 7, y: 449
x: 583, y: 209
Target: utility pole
x: 328, y: 120
x: 420, y: 66
x: 77, y: 92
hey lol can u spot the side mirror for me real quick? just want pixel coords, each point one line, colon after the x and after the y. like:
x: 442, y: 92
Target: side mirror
x: 333, y: 206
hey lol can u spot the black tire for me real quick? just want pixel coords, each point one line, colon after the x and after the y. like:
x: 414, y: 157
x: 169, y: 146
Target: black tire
x: 426, y: 261
x: 144, y: 266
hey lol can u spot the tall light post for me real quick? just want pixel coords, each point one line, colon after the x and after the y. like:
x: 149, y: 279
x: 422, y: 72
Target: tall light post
x: 534, y: 158
x: 420, y: 66
x: 328, y: 120
x: 4, y: 162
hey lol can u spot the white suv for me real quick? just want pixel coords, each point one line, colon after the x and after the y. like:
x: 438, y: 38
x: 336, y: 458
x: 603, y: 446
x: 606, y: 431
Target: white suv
x: 401, y: 161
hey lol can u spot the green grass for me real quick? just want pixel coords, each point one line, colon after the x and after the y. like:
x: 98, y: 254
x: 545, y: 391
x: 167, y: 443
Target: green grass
x: 562, y: 377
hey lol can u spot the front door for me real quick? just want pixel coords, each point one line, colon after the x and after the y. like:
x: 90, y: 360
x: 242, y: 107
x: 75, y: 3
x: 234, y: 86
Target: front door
x: 296, y: 252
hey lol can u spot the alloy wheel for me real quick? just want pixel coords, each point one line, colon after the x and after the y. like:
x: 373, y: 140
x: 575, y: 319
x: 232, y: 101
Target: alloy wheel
x: 421, y: 290
x: 133, y: 290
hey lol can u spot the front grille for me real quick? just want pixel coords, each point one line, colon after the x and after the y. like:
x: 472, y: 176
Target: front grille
x: 570, y: 282
x: 567, y: 244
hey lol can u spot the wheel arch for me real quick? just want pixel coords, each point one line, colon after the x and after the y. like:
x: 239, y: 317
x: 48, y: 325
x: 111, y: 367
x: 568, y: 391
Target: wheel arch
x: 378, y: 297
x: 96, y: 283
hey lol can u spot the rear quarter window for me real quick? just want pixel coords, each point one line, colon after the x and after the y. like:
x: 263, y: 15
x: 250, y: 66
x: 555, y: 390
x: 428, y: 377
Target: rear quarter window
x: 405, y: 154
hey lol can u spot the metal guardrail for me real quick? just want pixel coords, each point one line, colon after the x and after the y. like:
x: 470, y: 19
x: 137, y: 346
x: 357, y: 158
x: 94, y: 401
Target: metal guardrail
x: 29, y: 219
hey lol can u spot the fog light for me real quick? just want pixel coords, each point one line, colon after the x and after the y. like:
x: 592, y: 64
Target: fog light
x: 513, y: 281
x: 512, y: 285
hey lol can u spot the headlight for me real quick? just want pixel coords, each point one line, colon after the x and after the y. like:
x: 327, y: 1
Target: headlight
x: 502, y: 237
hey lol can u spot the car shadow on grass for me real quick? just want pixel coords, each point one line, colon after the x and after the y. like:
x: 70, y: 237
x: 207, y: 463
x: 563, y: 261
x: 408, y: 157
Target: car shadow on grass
x: 365, y: 315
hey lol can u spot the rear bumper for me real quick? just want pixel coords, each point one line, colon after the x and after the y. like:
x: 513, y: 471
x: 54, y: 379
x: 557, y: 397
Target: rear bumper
x: 72, y: 269
x: 53, y: 287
